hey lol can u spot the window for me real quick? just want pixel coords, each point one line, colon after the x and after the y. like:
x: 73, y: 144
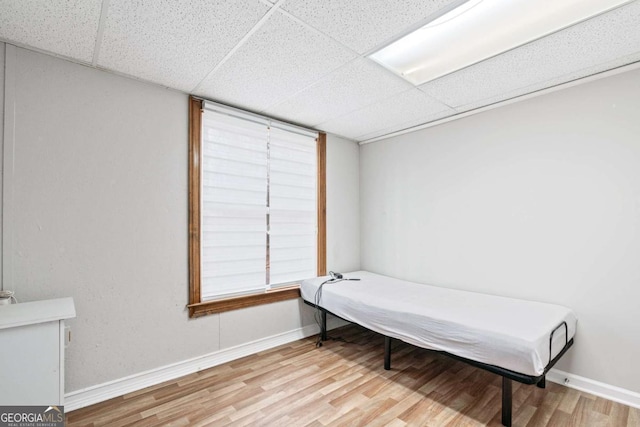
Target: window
x: 256, y: 208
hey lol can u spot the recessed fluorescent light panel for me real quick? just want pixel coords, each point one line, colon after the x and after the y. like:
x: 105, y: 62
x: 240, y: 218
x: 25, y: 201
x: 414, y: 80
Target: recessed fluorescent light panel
x: 480, y: 29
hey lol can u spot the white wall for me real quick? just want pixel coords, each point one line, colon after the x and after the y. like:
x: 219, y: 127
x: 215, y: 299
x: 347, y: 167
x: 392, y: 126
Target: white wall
x: 343, y: 205
x: 99, y: 213
x: 2, y: 49
x: 537, y: 200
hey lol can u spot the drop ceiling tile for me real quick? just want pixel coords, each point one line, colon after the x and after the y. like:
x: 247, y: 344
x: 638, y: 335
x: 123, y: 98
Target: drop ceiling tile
x: 174, y: 43
x: 280, y: 59
x: 555, y: 59
x: 355, y: 85
x: 411, y: 107
x: 551, y: 83
x: 363, y: 24
x: 66, y: 28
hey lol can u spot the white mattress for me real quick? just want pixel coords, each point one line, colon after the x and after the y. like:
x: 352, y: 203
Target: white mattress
x: 505, y: 332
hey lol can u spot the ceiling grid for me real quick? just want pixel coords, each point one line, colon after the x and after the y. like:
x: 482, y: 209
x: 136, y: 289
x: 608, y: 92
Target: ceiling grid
x: 306, y: 62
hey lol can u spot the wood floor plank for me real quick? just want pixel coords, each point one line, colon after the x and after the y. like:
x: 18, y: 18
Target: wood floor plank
x: 334, y: 416
x: 403, y: 405
x: 454, y: 402
x: 347, y: 419
x: 523, y: 415
x: 361, y: 386
x: 618, y: 416
x: 545, y: 410
x: 481, y: 410
x: 212, y: 419
x: 258, y: 403
x: 343, y: 383
x: 303, y: 410
x: 172, y: 404
x: 585, y: 415
x: 375, y: 409
x: 602, y: 405
x: 559, y: 419
x: 633, y: 419
x: 569, y: 401
x: 421, y: 411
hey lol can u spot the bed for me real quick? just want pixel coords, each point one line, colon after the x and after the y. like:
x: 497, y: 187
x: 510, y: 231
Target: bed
x: 517, y: 339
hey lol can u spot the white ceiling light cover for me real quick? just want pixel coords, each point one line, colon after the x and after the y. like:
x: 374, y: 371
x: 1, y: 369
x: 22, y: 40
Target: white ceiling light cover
x: 480, y: 29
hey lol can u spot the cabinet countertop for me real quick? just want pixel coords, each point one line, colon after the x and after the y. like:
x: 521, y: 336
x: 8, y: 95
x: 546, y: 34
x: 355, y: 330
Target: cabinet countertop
x: 29, y: 313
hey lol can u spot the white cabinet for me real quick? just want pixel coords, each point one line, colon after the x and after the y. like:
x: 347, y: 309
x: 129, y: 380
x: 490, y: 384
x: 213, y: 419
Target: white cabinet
x: 32, y: 352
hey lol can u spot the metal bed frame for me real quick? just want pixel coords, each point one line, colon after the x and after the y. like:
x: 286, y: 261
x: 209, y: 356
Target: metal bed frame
x: 506, y: 374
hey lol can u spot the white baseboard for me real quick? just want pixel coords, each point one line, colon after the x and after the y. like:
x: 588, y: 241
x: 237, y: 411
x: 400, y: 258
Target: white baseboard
x: 607, y: 391
x: 101, y: 392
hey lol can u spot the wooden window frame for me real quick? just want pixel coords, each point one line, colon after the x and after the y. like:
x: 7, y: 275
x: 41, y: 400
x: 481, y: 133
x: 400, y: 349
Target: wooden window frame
x: 196, y: 306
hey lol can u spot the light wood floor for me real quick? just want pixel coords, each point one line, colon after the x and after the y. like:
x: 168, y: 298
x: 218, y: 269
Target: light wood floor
x: 343, y: 383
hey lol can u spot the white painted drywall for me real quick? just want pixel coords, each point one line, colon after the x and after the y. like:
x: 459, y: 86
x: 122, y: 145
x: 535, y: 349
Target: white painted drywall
x: 343, y: 205
x: 100, y: 183
x: 537, y: 200
x: 2, y: 53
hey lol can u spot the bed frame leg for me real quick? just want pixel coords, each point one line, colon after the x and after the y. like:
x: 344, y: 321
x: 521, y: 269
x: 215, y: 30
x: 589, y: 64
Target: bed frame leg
x: 387, y: 353
x: 543, y: 382
x: 323, y: 331
x: 506, y: 402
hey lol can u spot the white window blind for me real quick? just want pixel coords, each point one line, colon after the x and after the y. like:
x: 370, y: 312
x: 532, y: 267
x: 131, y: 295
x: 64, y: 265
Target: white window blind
x: 258, y: 205
x: 292, y: 206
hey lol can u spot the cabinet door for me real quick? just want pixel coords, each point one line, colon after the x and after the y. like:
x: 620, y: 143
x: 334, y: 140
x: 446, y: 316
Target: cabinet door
x: 30, y: 365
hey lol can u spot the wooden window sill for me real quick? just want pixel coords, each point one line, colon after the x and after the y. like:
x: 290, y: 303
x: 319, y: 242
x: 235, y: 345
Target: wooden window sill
x: 235, y: 303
